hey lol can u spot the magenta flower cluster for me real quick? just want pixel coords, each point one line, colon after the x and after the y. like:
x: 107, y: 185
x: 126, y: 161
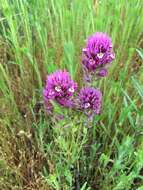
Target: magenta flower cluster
x: 98, y: 53
x: 90, y: 99
x: 63, y: 90
x: 60, y: 87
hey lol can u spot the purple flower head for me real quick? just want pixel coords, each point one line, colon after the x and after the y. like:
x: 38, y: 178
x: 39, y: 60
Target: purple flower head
x: 59, y: 87
x: 103, y: 72
x: 98, y: 51
x: 90, y: 99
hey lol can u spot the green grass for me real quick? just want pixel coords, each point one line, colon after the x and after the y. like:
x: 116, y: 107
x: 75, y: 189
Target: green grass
x: 37, y: 152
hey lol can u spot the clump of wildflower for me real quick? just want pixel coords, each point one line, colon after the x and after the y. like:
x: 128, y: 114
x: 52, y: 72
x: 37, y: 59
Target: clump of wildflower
x: 90, y: 100
x: 60, y: 88
x: 97, y: 53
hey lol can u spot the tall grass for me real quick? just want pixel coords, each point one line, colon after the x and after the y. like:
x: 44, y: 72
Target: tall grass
x: 39, y: 37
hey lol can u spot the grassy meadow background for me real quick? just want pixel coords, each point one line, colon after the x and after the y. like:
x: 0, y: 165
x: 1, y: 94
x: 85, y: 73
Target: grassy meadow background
x: 36, y: 38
